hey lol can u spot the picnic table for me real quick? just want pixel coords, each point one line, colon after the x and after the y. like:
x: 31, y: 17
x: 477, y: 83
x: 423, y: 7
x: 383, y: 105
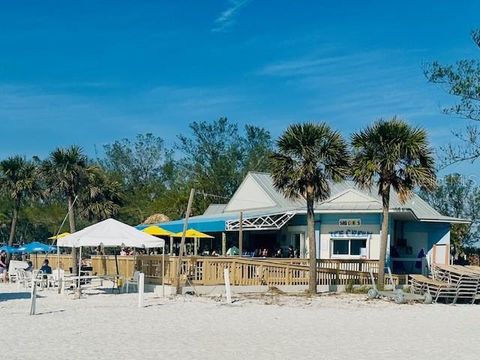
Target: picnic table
x: 73, y: 280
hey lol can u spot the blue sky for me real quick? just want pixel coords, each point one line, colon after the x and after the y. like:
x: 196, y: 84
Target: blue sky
x: 90, y: 72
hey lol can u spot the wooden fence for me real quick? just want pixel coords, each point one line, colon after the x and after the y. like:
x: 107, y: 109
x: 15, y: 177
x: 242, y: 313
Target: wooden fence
x: 243, y: 271
x: 65, y: 261
x: 246, y: 271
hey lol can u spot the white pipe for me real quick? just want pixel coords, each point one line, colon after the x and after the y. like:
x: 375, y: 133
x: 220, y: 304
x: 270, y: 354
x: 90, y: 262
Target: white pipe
x: 141, y: 289
x: 79, y: 268
x: 163, y: 271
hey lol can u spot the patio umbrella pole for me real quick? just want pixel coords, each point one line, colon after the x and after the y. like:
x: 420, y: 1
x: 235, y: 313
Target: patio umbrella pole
x: 163, y: 271
x: 79, y: 289
x: 58, y: 270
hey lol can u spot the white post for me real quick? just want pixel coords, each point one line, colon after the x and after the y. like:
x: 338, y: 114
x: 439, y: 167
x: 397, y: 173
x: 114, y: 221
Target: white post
x: 33, y: 305
x: 141, y: 286
x: 228, y: 290
x: 79, y: 290
x: 163, y: 271
x: 58, y: 267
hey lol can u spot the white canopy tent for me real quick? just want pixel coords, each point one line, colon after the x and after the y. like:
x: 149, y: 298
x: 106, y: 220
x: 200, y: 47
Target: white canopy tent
x: 111, y: 233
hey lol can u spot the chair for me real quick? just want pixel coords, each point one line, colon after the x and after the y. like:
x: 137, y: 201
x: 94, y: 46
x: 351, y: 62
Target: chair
x: 12, y: 269
x: 436, y: 288
x: 133, y: 281
x: 20, y: 278
x: 55, y: 277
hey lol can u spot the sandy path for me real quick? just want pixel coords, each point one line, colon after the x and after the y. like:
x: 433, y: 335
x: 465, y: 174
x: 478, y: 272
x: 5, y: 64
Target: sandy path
x: 341, y: 327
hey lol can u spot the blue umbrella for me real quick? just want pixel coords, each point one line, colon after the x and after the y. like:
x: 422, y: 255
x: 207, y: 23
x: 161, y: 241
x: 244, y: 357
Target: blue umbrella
x: 9, y: 249
x: 36, y: 247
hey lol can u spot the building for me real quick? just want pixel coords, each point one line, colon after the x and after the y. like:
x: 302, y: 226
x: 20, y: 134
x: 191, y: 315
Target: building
x: 347, y: 225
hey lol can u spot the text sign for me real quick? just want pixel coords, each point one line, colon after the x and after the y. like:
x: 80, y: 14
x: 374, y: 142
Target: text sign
x: 349, y: 233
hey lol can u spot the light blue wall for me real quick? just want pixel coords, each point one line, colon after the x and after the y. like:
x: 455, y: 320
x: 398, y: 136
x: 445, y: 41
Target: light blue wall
x: 331, y: 219
x: 436, y: 231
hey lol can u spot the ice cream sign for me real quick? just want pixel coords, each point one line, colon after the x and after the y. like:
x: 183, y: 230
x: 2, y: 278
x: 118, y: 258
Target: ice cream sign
x: 349, y: 234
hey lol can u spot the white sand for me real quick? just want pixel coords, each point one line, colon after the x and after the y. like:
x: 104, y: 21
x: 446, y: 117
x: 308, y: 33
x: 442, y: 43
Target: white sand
x: 106, y: 326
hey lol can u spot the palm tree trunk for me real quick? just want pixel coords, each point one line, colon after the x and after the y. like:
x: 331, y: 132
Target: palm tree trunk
x: 312, y: 251
x: 13, y: 228
x: 71, y: 220
x: 383, y: 239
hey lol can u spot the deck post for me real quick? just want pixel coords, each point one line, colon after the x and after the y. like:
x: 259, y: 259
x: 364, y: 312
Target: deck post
x: 240, y: 235
x: 224, y: 244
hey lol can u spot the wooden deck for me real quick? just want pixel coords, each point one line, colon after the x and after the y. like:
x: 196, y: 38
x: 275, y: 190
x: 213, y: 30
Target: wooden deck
x: 243, y: 271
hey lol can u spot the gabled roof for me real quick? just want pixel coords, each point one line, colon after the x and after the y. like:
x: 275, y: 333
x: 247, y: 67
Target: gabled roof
x: 345, y: 197
x: 214, y: 209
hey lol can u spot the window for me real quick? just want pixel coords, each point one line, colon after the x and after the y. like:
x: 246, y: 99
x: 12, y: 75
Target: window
x: 348, y: 247
x: 356, y: 245
x: 340, y: 247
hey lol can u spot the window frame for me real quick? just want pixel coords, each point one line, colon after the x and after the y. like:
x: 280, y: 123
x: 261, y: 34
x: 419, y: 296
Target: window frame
x: 349, y: 255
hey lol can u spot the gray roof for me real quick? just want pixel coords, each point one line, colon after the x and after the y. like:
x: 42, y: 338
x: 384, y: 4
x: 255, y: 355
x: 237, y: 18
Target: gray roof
x: 371, y: 202
x: 215, y: 209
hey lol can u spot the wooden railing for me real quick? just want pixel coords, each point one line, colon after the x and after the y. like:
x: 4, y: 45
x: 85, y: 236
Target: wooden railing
x: 209, y: 270
x: 243, y: 271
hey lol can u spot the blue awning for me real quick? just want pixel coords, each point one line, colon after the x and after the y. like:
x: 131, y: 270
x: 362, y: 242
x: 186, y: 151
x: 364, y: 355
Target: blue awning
x: 200, y: 223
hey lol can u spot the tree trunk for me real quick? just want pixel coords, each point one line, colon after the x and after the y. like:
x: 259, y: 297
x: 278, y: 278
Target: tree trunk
x: 312, y: 249
x: 71, y: 220
x: 13, y: 228
x: 383, y: 239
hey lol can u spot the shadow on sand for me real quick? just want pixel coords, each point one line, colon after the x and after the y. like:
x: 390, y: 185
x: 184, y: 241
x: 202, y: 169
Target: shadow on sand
x: 14, y: 296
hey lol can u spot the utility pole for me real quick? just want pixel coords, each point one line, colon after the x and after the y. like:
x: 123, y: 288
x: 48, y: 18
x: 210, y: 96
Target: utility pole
x: 182, y: 242
x: 240, y: 235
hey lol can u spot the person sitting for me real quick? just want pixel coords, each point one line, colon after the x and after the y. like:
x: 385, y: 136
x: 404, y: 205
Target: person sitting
x: 3, y: 266
x: 46, y: 269
x: 29, y: 266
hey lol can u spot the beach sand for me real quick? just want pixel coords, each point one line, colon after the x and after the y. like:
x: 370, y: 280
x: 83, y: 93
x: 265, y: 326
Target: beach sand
x: 107, y: 326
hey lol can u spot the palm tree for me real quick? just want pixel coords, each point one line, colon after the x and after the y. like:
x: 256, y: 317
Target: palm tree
x: 392, y: 155
x: 19, y: 180
x: 308, y: 158
x: 104, y: 196
x: 65, y: 172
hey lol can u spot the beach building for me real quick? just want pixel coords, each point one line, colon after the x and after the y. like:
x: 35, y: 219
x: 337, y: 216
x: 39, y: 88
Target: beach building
x: 347, y: 225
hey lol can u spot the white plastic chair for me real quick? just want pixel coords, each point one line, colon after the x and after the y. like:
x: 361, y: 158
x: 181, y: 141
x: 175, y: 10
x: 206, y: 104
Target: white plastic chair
x: 133, y: 281
x: 55, y: 277
x: 20, y: 277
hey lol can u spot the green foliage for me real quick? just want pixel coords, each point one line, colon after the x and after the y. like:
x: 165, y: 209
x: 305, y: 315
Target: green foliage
x: 137, y: 163
x: 69, y: 175
x: 19, y: 179
x: 308, y: 156
x: 458, y: 197
x: 392, y: 154
x: 19, y: 182
x: 134, y: 179
x: 461, y: 80
x: 65, y: 171
x: 217, y: 156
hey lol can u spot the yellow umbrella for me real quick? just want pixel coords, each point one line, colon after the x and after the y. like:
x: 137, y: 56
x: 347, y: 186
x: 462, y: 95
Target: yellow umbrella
x: 59, y: 236
x: 192, y: 233
x: 157, y: 231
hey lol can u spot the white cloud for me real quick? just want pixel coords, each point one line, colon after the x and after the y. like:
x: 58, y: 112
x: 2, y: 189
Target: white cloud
x: 228, y: 17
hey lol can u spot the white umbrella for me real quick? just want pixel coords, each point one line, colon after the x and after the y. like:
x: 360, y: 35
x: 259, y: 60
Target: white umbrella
x: 111, y: 233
